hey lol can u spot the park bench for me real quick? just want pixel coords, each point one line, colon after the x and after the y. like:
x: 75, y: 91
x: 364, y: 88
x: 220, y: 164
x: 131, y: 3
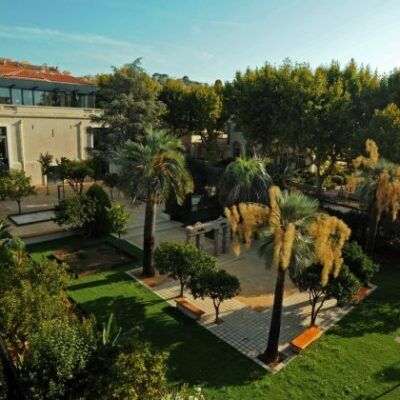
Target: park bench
x: 189, y: 309
x: 362, y: 292
x: 302, y: 341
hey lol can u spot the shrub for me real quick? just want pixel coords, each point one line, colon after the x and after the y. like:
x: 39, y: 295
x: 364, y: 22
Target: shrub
x: 101, y: 224
x: 358, y: 262
x: 216, y: 284
x: 57, y: 358
x: 111, y: 181
x: 79, y: 212
x: 344, y: 287
x: 75, y: 172
x: 181, y: 261
x: 139, y: 375
x: 175, y: 210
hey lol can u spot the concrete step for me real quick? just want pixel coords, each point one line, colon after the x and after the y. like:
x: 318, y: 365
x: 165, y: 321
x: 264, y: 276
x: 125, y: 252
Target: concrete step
x: 161, y: 226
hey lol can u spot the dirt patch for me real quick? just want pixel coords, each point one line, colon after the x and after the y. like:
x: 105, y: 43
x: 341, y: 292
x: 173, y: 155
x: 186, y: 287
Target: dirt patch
x: 92, y: 259
x: 153, y: 281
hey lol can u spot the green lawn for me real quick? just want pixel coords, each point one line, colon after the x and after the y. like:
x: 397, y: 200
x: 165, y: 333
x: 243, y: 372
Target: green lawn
x: 357, y: 359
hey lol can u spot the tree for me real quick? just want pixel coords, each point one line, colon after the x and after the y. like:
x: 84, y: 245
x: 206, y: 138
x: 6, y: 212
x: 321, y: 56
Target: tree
x: 152, y: 170
x: 139, y: 375
x: 111, y: 181
x: 19, y: 186
x: 344, y: 287
x: 384, y: 129
x: 182, y: 261
x: 377, y: 182
x: 293, y: 234
x: 216, y: 284
x: 118, y: 220
x: 75, y: 172
x: 101, y: 224
x: 194, y: 109
x: 79, y: 212
x: 63, y: 170
x: 129, y: 101
x: 45, y: 161
x: 244, y: 180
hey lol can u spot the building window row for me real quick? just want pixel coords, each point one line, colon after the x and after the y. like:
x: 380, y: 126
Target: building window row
x: 35, y: 97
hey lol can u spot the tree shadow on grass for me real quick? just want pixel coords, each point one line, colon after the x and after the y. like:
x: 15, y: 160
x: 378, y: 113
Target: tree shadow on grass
x: 389, y: 374
x: 196, y: 356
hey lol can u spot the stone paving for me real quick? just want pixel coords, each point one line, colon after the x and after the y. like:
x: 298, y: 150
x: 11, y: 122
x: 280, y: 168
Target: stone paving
x: 247, y: 330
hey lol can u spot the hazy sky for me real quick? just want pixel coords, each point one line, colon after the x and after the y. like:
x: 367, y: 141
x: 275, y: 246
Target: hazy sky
x: 204, y: 39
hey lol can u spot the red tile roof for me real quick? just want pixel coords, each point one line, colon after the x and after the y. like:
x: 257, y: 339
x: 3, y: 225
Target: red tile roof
x: 15, y: 70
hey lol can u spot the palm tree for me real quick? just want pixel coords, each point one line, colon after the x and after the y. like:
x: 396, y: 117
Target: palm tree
x: 244, y: 180
x: 151, y: 171
x: 377, y: 182
x: 287, y: 242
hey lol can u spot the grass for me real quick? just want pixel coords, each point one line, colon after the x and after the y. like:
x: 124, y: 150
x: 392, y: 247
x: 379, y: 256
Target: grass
x: 357, y: 359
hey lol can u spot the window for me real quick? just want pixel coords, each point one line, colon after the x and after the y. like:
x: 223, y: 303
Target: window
x: 5, y: 96
x: 27, y: 97
x: 58, y: 99
x: 68, y: 99
x: 16, y: 96
x: 39, y: 98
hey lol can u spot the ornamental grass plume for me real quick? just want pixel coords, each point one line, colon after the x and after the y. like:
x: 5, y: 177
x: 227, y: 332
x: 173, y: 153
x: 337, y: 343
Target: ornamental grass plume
x: 371, y: 161
x: 330, y: 234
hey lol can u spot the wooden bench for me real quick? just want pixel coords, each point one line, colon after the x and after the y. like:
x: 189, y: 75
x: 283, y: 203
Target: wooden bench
x: 362, y: 292
x: 189, y: 309
x: 305, y: 339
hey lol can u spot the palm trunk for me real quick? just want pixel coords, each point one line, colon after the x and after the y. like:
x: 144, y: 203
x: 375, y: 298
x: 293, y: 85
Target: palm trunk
x: 271, y: 353
x: 19, y: 206
x: 319, y: 182
x: 148, y: 237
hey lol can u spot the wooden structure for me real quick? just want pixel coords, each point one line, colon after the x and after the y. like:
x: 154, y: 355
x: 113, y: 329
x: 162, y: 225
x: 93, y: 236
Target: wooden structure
x: 302, y: 341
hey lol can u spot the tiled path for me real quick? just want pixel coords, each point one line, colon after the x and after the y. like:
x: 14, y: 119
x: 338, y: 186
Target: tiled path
x: 247, y: 330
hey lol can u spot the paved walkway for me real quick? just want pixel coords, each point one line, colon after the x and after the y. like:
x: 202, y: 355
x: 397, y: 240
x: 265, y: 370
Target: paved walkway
x: 246, y: 329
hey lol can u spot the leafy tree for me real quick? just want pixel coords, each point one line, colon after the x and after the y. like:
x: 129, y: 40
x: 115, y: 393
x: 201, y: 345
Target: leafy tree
x: 75, y: 172
x: 362, y: 266
x: 293, y: 234
x: 139, y: 375
x: 216, y: 284
x: 79, y: 212
x: 344, y: 287
x: 194, y: 109
x: 244, y: 180
x: 101, y: 224
x: 118, y: 220
x: 19, y: 186
x: 111, y: 181
x: 181, y: 261
x: 384, y: 129
x: 57, y: 358
x: 152, y: 170
x: 45, y: 161
x: 129, y: 101
x: 63, y: 170
x: 96, y: 163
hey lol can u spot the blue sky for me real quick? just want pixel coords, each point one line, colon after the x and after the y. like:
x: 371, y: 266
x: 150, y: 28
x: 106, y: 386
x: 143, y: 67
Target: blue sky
x: 204, y: 39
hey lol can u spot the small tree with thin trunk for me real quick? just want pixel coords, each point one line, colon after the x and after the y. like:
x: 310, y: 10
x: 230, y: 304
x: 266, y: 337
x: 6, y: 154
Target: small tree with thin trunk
x: 343, y: 288
x: 19, y: 186
x: 76, y: 172
x: 118, y: 219
x: 63, y: 170
x: 45, y: 161
x: 181, y: 261
x: 216, y: 284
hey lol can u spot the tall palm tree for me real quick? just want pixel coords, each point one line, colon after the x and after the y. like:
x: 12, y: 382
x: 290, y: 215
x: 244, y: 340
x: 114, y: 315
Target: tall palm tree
x: 244, y: 180
x: 151, y: 171
x: 286, y: 240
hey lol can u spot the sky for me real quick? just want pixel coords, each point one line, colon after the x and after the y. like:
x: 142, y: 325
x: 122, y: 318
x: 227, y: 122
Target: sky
x: 203, y: 39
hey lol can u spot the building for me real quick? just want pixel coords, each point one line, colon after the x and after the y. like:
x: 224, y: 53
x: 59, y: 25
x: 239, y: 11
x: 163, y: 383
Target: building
x: 43, y: 109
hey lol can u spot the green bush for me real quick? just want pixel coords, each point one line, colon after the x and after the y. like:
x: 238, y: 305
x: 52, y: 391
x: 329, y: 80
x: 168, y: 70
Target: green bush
x: 344, y: 287
x: 101, y: 224
x: 358, y: 262
x: 57, y: 358
x: 140, y: 375
x: 175, y: 210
